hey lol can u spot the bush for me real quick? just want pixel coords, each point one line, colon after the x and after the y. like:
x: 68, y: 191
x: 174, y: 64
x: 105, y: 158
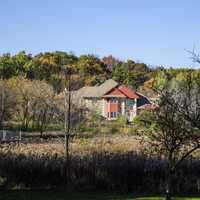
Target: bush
x: 127, y: 172
x: 113, y: 130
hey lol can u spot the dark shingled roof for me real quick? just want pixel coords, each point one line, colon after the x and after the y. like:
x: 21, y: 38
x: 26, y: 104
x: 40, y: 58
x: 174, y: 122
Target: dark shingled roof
x: 96, y: 91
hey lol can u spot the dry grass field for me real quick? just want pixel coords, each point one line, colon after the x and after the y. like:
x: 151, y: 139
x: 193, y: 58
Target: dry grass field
x: 96, y: 163
x: 117, y: 143
x: 78, y: 146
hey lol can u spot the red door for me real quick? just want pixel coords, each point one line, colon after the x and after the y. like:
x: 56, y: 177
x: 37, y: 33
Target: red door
x: 112, y: 108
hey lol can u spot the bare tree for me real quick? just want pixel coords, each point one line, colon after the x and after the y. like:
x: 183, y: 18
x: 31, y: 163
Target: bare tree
x: 195, y: 57
x: 68, y: 71
x: 173, y: 129
x: 43, y: 106
x: 33, y: 105
x: 7, y: 102
x: 2, y: 103
x: 23, y: 91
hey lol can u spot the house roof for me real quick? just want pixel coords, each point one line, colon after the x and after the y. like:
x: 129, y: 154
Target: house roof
x: 115, y: 92
x: 96, y: 91
x: 87, y: 92
x: 128, y: 92
x: 109, y: 88
x: 123, y: 92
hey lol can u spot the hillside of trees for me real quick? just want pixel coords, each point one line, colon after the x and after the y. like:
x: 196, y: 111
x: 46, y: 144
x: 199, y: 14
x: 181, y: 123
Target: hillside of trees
x: 30, y: 86
x: 88, y: 69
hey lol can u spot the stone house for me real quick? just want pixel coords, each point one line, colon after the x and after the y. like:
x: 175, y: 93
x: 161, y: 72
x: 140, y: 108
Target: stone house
x: 112, y: 99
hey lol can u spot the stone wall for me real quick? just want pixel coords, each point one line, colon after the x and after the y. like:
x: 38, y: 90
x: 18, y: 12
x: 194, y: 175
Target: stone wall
x: 94, y: 104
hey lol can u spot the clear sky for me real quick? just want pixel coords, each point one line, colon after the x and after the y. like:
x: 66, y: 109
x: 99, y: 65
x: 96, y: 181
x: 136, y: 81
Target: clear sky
x: 156, y: 32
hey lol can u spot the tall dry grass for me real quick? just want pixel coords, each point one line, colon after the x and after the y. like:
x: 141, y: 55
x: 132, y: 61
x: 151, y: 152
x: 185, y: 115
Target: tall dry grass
x: 109, y: 164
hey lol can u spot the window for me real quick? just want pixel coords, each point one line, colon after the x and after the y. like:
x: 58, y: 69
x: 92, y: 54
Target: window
x: 113, y: 100
x: 129, y: 102
x: 113, y: 115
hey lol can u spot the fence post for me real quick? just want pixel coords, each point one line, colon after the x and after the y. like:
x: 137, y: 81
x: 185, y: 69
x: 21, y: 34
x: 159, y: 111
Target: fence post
x: 20, y: 135
x: 4, y: 135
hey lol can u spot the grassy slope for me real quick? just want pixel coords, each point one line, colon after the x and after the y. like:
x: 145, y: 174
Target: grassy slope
x: 74, y: 196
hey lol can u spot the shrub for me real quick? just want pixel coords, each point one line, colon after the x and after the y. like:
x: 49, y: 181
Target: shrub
x: 126, y: 172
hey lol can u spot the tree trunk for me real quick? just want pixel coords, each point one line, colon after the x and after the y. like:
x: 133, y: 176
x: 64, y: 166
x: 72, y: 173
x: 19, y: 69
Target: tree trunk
x: 168, y: 188
x: 41, y: 132
x: 43, y: 121
x: 67, y: 125
x: 169, y: 177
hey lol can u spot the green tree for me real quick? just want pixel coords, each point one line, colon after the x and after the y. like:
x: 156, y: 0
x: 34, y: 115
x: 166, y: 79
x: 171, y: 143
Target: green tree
x: 7, y: 67
x: 13, y: 65
x: 91, y: 69
x: 125, y: 74
x: 20, y: 61
x: 43, y: 65
x: 47, y: 66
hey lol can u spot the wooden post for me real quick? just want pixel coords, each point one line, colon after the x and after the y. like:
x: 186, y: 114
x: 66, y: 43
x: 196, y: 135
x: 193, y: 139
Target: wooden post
x: 20, y: 136
x: 4, y: 135
x: 67, y: 124
x: 67, y: 115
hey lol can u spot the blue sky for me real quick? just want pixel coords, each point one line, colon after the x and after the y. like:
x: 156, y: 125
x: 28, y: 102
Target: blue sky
x: 156, y: 32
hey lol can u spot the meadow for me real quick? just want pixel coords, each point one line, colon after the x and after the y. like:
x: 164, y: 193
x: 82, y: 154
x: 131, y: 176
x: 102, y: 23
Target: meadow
x: 120, y: 143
